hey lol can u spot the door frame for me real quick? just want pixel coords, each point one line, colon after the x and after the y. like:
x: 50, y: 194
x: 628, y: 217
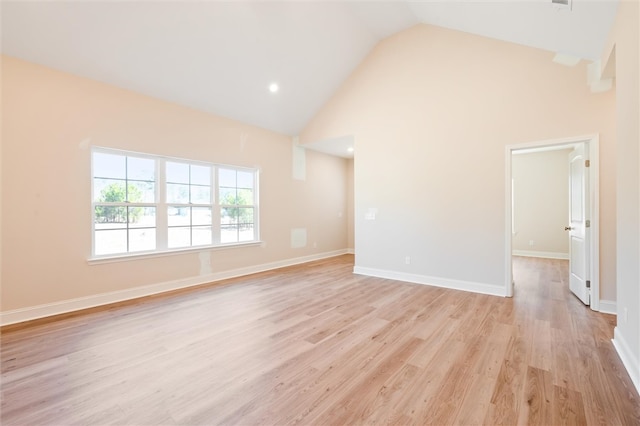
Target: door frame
x: 592, y: 144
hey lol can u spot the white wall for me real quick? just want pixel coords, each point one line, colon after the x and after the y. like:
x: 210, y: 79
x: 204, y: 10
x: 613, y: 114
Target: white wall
x: 541, y: 203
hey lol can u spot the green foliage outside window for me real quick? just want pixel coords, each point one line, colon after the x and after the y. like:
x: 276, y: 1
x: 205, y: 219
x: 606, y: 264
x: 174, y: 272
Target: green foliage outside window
x: 241, y: 215
x: 115, y: 193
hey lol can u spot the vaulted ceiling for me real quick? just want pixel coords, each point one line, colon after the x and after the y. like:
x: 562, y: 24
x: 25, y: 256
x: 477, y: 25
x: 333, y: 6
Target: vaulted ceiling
x: 221, y: 57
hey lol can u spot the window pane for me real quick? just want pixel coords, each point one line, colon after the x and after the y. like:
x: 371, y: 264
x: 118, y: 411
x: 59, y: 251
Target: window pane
x: 228, y: 215
x: 245, y: 215
x: 177, y: 172
x: 103, y: 190
x: 109, y: 191
x: 141, y: 169
x: 200, y: 194
x: 109, y: 165
x: 142, y: 239
x: 229, y: 234
x: 246, y: 233
x: 227, y: 195
x: 111, y: 241
x: 201, y: 235
x: 179, y: 237
x: 179, y: 216
x: 227, y: 178
x: 177, y: 193
x: 201, y: 175
x: 201, y: 216
x: 245, y: 180
x: 141, y: 192
x: 142, y: 217
x: 109, y: 217
x: 245, y: 196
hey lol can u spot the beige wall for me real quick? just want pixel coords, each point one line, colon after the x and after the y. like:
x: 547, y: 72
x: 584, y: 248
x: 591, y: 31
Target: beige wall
x: 50, y: 120
x: 541, y: 202
x: 350, y: 206
x: 432, y: 111
x: 625, y: 38
x: 1, y: 174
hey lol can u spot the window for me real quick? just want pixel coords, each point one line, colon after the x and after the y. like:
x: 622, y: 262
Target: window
x: 143, y: 203
x: 189, y: 209
x: 124, y: 203
x: 237, y: 205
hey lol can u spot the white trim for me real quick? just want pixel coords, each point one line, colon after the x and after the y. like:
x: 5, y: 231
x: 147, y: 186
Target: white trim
x: 65, y: 306
x: 170, y: 252
x: 608, y: 307
x: 508, y: 223
x: 593, y: 142
x: 351, y: 251
x: 631, y: 363
x: 594, y: 199
x: 542, y: 254
x: 491, y: 289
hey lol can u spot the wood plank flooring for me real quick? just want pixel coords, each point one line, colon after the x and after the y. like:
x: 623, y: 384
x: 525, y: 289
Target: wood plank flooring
x: 315, y: 344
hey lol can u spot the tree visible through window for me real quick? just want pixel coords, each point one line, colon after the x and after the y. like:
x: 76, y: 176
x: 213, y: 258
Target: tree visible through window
x: 146, y: 203
x: 124, y: 210
x: 237, y: 205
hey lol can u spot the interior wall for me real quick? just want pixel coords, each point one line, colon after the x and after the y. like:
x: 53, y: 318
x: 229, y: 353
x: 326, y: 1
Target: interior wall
x: 1, y: 174
x: 350, y: 206
x: 541, y: 203
x: 432, y: 110
x: 625, y: 38
x: 50, y: 121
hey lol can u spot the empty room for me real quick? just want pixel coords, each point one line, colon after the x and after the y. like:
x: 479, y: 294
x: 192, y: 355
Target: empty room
x: 320, y: 212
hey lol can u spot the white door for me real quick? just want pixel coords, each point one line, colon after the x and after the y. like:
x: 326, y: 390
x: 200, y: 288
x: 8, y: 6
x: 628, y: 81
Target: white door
x: 578, y: 223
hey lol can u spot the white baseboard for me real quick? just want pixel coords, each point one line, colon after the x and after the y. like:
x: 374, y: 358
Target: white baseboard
x: 631, y: 363
x: 608, y: 307
x: 351, y: 251
x: 494, y: 290
x: 65, y: 306
x: 542, y: 254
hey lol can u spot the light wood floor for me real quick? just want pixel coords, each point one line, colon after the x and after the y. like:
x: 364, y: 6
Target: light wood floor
x: 315, y: 344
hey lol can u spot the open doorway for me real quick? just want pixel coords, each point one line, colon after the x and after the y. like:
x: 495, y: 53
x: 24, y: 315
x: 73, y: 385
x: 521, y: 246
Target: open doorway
x: 552, y: 209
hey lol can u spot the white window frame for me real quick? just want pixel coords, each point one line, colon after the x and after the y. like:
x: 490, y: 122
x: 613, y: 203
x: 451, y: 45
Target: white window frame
x: 162, y: 206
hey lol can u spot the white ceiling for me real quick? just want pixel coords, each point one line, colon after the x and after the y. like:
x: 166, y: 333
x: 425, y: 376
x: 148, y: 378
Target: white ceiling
x: 221, y: 57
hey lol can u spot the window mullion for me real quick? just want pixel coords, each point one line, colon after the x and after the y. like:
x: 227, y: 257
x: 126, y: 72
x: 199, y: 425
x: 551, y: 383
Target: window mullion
x: 132, y: 211
x: 256, y: 210
x: 162, y: 219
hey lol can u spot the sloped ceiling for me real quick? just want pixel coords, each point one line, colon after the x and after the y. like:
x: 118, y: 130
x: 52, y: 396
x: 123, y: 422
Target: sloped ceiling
x: 221, y: 57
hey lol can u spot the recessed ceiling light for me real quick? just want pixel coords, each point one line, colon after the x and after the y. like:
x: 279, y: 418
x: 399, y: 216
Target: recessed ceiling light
x: 273, y: 87
x: 350, y: 149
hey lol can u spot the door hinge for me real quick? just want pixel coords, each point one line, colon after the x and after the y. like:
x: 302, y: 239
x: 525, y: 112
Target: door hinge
x: 588, y: 283
x: 587, y: 224
x: 587, y: 163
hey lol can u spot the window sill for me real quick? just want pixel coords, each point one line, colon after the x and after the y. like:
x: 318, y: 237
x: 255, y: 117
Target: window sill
x: 150, y: 255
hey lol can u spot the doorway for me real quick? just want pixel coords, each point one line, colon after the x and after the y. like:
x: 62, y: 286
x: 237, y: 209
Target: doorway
x: 550, y: 228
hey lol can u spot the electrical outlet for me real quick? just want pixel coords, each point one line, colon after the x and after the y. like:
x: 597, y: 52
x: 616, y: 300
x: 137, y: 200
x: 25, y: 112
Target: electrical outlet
x: 530, y: 243
x: 626, y: 315
x: 407, y: 260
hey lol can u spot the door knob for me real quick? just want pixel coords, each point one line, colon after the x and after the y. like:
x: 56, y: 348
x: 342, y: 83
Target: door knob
x: 568, y: 228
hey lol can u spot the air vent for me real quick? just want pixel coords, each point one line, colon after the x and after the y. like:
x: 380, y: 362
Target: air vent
x: 562, y: 4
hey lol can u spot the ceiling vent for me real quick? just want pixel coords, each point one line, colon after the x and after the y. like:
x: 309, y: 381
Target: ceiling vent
x: 562, y: 4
